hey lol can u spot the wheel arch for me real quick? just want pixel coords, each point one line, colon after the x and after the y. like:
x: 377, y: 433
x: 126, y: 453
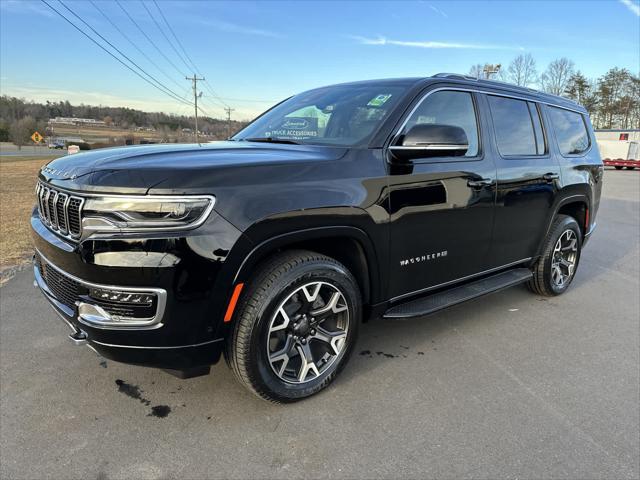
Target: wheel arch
x: 577, y: 206
x: 351, y: 246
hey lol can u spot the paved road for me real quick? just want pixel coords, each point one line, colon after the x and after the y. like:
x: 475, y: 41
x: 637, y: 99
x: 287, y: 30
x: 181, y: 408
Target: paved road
x: 10, y: 150
x: 507, y: 386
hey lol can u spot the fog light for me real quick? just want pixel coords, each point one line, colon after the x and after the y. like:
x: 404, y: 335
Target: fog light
x: 122, y: 297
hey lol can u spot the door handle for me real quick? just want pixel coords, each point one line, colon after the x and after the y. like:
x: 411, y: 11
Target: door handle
x: 550, y: 177
x: 482, y: 183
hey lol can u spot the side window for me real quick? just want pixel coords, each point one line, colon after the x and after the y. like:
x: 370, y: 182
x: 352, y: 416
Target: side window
x: 449, y: 108
x: 570, y: 129
x: 537, y: 128
x: 513, y: 126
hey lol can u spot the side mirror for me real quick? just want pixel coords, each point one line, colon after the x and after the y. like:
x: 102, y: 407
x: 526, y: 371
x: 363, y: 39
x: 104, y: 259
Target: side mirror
x: 430, y: 140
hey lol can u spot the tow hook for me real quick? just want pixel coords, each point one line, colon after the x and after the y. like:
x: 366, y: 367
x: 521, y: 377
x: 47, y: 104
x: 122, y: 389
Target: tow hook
x: 79, y: 338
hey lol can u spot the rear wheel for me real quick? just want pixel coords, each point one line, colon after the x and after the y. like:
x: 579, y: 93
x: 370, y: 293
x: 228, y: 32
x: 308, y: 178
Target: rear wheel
x: 555, y: 269
x: 295, y: 326
x: 618, y: 167
x: 631, y: 168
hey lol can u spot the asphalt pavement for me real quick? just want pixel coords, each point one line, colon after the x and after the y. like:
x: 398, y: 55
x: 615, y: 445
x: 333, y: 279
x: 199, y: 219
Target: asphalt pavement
x: 511, y: 385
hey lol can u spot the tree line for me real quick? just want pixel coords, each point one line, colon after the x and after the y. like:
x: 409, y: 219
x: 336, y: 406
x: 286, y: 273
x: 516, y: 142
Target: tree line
x: 19, y: 118
x: 612, y: 100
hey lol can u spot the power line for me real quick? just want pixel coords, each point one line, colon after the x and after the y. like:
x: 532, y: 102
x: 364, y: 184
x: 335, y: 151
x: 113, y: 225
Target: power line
x: 149, y: 39
x: 114, y: 25
x: 176, y: 38
x: 108, y: 52
x: 164, y: 87
x: 165, y: 35
x: 197, y: 70
x: 221, y: 100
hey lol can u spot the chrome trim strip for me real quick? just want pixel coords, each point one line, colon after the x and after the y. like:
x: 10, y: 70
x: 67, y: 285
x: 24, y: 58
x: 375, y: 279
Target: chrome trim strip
x: 461, y: 279
x: 156, y: 348
x: 475, y: 90
x: 429, y: 147
x: 160, y: 293
x: 48, y: 210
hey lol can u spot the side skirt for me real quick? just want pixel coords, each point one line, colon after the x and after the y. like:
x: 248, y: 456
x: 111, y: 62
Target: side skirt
x: 438, y: 301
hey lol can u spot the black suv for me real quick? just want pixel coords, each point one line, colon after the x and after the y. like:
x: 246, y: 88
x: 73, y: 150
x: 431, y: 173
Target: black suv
x: 392, y: 198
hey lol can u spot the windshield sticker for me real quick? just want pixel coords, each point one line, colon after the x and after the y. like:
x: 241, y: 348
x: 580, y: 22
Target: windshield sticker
x: 379, y: 100
x: 422, y: 119
x: 296, y: 128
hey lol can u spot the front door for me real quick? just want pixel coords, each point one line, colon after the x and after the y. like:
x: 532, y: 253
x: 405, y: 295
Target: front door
x: 441, y: 208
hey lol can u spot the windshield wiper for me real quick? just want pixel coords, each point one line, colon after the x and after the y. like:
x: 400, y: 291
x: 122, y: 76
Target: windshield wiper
x: 271, y: 140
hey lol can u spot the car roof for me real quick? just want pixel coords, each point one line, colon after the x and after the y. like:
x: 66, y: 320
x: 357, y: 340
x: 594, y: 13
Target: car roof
x: 467, y: 81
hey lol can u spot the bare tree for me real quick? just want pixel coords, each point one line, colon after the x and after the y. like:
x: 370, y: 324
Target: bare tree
x: 522, y: 70
x: 556, y: 77
x: 477, y: 71
x: 21, y: 130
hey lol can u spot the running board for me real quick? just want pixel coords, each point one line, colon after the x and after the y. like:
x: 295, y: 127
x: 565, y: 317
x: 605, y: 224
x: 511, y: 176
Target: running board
x: 438, y: 301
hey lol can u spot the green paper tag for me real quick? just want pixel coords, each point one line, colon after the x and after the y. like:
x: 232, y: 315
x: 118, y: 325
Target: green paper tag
x: 378, y: 100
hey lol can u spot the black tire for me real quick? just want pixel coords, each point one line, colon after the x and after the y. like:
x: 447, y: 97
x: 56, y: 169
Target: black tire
x: 631, y: 168
x: 543, y: 281
x: 274, y: 282
x: 618, y: 167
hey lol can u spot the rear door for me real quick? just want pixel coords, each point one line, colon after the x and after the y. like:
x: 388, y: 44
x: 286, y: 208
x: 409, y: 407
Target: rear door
x: 441, y: 208
x: 528, y: 178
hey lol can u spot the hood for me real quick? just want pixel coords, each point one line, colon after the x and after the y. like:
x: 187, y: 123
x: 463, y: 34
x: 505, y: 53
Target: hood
x: 137, y: 169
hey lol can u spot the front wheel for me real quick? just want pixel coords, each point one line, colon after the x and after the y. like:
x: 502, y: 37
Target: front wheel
x: 295, y: 326
x: 618, y: 167
x: 555, y: 269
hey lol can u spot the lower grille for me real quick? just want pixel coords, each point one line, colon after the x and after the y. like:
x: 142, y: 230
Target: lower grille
x: 68, y: 291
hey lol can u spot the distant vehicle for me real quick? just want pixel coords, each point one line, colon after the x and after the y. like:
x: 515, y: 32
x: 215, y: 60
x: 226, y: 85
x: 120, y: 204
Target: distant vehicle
x: 388, y: 198
x: 619, y: 148
x: 57, y: 144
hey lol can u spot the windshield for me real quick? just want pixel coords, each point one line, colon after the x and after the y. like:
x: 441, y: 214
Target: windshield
x: 342, y: 115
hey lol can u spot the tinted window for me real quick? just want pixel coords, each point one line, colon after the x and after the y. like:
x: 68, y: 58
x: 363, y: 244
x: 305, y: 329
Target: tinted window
x: 449, y: 108
x: 513, y: 126
x: 537, y: 128
x: 570, y: 129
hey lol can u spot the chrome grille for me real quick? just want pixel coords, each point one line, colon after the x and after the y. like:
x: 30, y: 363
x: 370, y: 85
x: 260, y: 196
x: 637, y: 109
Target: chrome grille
x: 60, y: 211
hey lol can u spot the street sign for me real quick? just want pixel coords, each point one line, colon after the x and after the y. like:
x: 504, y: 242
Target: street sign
x: 36, y: 137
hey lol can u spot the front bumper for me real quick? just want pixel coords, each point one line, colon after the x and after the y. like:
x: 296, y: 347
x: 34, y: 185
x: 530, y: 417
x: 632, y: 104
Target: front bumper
x: 187, y: 331
x: 175, y: 357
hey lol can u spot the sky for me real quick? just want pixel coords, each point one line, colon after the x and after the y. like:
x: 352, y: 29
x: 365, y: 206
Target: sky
x: 254, y: 54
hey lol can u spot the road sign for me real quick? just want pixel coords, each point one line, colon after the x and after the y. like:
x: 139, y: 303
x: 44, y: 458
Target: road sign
x: 36, y: 137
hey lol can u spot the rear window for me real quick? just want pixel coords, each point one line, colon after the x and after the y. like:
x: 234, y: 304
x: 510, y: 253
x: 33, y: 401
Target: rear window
x: 513, y: 126
x: 570, y: 129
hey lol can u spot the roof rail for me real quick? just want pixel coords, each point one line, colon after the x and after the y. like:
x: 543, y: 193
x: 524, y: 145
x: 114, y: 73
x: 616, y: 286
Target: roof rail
x: 500, y: 83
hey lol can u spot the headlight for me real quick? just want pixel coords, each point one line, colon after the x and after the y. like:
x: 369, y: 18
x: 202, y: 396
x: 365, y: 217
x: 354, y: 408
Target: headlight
x: 142, y: 213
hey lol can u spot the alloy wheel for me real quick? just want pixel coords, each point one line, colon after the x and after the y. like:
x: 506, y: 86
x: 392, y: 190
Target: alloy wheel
x: 564, y: 258
x: 308, y: 332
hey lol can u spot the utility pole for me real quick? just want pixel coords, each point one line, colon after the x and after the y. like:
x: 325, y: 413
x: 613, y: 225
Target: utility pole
x: 195, y: 99
x: 229, y: 110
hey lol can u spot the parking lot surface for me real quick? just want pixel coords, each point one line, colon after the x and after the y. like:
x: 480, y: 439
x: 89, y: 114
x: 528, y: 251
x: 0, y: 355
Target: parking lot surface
x: 511, y: 385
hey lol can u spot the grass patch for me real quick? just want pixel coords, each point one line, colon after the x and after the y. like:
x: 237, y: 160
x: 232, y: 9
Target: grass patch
x: 17, y: 184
